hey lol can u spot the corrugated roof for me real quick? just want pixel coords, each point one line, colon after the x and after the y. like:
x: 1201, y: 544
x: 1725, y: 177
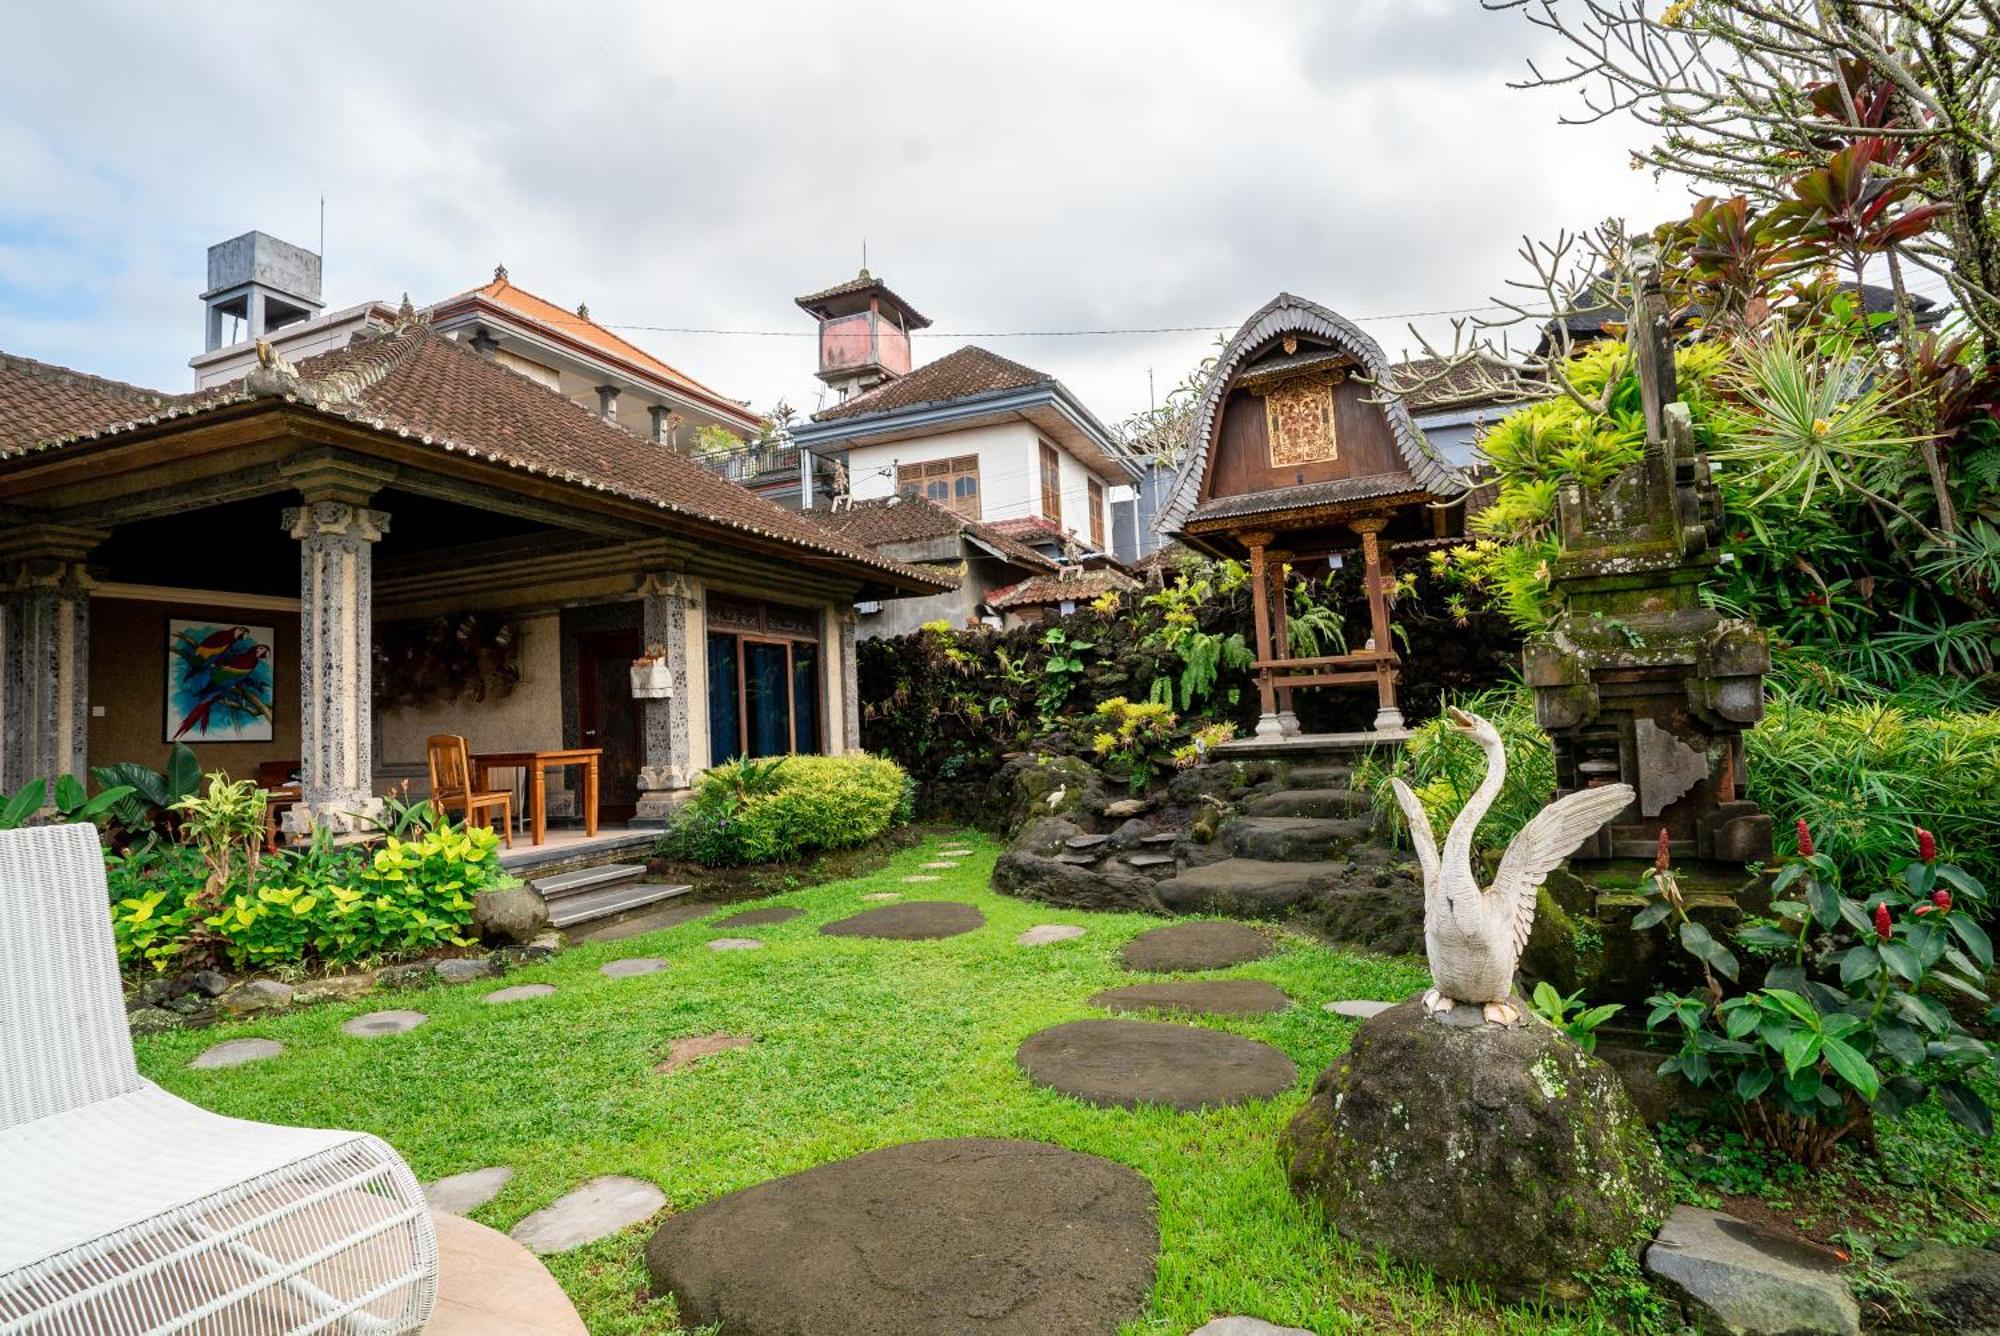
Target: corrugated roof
x: 420, y: 385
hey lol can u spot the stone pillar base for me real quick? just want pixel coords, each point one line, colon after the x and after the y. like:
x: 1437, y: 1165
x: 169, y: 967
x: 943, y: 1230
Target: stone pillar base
x: 1389, y: 719
x: 1270, y: 726
x: 656, y: 807
x: 1288, y: 723
x: 341, y: 816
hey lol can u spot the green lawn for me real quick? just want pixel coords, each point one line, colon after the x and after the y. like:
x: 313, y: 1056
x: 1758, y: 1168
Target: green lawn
x: 863, y: 1044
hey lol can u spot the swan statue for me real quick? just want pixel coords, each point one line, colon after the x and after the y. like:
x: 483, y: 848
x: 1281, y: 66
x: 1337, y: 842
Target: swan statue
x: 1474, y: 937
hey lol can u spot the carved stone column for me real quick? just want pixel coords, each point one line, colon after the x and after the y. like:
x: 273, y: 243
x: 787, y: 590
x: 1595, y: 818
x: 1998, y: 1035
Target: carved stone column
x: 667, y: 770
x: 850, y: 683
x: 44, y: 669
x: 336, y: 646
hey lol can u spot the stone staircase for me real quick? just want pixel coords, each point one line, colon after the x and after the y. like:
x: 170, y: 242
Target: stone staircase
x: 584, y: 895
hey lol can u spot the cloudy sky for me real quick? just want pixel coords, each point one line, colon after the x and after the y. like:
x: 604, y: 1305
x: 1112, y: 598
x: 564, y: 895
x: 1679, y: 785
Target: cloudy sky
x: 1021, y: 167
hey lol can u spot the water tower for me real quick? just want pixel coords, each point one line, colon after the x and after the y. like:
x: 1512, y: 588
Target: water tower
x: 864, y: 334
x: 257, y: 283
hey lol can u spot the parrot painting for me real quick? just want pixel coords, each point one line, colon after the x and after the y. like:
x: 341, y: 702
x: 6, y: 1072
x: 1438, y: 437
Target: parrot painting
x: 219, y: 684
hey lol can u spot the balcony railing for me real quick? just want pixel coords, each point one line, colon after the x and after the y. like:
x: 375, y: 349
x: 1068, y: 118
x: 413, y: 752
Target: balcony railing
x: 752, y: 462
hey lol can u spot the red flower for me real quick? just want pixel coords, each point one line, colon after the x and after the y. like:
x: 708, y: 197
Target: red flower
x: 1805, y: 840
x: 1664, y: 856
x: 1882, y: 921
x: 1926, y: 845
x: 1941, y: 898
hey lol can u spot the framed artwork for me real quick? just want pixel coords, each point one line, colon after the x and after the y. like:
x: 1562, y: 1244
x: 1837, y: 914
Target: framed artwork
x: 219, y: 686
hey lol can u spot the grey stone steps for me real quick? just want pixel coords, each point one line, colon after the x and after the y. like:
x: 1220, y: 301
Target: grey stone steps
x: 1320, y: 776
x: 1160, y: 837
x: 604, y: 901
x: 1289, y: 839
x: 586, y: 879
x: 1324, y: 804
x: 1086, y: 841
x: 1149, y: 860
x: 1248, y: 887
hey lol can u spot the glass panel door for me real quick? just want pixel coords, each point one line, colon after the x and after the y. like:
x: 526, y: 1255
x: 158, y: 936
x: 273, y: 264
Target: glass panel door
x: 767, y: 697
x: 805, y: 696
x: 725, y: 725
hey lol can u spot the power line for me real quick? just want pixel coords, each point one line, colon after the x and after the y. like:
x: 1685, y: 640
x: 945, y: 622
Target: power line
x: 1220, y: 327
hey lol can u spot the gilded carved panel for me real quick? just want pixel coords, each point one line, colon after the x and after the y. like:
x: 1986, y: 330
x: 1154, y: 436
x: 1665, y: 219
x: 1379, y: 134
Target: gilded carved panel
x: 1298, y: 420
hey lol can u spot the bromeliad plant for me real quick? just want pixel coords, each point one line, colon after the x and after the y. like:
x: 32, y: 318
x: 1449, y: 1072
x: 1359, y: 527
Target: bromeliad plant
x: 1848, y: 1022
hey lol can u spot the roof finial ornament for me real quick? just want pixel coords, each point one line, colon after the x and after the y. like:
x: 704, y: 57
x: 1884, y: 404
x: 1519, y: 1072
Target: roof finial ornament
x: 583, y: 310
x: 499, y: 273
x: 406, y: 314
x: 273, y: 376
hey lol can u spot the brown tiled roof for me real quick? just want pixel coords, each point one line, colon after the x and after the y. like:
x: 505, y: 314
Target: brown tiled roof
x: 861, y: 282
x: 907, y: 519
x: 38, y: 401
x: 1072, y: 583
x: 1028, y: 527
x: 960, y: 375
x: 1305, y: 496
x: 421, y: 385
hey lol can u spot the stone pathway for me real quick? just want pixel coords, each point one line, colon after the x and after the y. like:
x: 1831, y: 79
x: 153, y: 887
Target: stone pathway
x: 1359, y: 1009
x: 631, y: 967
x: 686, y: 1052
x: 1123, y: 1064
x: 1195, y: 946
x: 757, y: 918
x: 1006, y: 1238
x: 378, y: 1023
x: 735, y: 944
x: 601, y: 1207
x: 1211, y: 997
x: 462, y: 1194
x: 1245, y: 1326
x: 236, y: 1052
x: 520, y: 992
x: 489, y: 1285
x: 916, y: 920
x: 1044, y: 933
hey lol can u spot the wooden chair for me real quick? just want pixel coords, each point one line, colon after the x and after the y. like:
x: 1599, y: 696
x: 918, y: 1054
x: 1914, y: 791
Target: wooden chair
x: 451, y: 784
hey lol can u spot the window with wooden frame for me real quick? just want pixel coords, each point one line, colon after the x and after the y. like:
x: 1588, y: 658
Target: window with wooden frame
x: 1051, y: 484
x: 951, y: 483
x: 1097, y: 514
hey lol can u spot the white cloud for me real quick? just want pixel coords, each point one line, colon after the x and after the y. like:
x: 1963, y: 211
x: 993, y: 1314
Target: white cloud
x: 1036, y: 166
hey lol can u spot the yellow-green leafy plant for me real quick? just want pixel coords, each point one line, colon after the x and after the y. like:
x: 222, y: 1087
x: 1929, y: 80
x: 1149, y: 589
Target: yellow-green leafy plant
x: 1135, y: 739
x: 781, y: 813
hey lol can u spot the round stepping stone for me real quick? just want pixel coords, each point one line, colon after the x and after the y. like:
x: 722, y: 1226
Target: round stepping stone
x: 913, y: 921
x: 1245, y: 1326
x: 1211, y: 997
x: 1006, y: 1238
x: 378, y: 1023
x: 735, y: 944
x: 520, y: 992
x: 884, y: 895
x: 601, y: 1207
x: 1123, y: 1064
x: 1358, y: 1008
x: 920, y: 878
x: 236, y: 1052
x: 686, y: 1052
x: 939, y: 864
x: 630, y: 966
x: 1194, y: 946
x: 1044, y: 933
x: 460, y: 1194
x: 756, y: 918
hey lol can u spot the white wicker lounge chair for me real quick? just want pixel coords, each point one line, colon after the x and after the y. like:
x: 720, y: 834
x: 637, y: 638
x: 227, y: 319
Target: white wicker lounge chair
x: 124, y: 1209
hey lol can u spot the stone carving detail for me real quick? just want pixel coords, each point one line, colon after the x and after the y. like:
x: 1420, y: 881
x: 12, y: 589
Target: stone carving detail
x: 1298, y: 420
x: 668, y: 768
x: 336, y: 619
x: 1473, y: 937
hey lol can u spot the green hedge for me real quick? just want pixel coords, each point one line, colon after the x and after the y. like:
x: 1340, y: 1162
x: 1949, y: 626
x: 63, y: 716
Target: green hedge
x: 782, y: 809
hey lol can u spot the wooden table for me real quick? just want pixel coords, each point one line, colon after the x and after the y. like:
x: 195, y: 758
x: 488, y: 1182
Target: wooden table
x: 536, y: 766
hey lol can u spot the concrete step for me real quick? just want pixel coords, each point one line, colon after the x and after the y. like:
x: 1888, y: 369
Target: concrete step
x: 1324, y: 804
x: 580, y: 907
x: 1289, y: 839
x: 586, y: 879
x: 1246, y: 887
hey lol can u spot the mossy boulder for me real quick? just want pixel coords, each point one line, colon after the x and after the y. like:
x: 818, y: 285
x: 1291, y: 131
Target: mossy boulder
x: 1052, y: 786
x: 1505, y: 1157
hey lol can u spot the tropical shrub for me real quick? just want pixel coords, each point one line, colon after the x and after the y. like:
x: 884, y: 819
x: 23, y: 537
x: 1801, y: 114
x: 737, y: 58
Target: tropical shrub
x: 1850, y: 1019
x: 65, y: 800
x: 1443, y: 767
x: 151, y: 795
x: 781, y: 809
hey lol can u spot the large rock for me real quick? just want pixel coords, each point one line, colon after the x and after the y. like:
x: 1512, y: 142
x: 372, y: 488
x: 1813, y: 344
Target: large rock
x: 1290, y: 839
x: 1956, y: 1289
x: 1357, y: 912
x: 509, y: 917
x: 1249, y: 887
x: 256, y: 995
x: 1004, y: 1238
x: 1506, y: 1157
x: 1033, y: 876
x: 1051, y: 786
x: 1748, y: 1280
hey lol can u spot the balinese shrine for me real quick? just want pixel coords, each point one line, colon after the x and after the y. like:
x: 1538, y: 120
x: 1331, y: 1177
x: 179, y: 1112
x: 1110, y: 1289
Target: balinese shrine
x: 1298, y: 460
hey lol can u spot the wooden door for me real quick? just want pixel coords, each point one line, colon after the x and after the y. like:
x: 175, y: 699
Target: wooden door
x: 609, y: 718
